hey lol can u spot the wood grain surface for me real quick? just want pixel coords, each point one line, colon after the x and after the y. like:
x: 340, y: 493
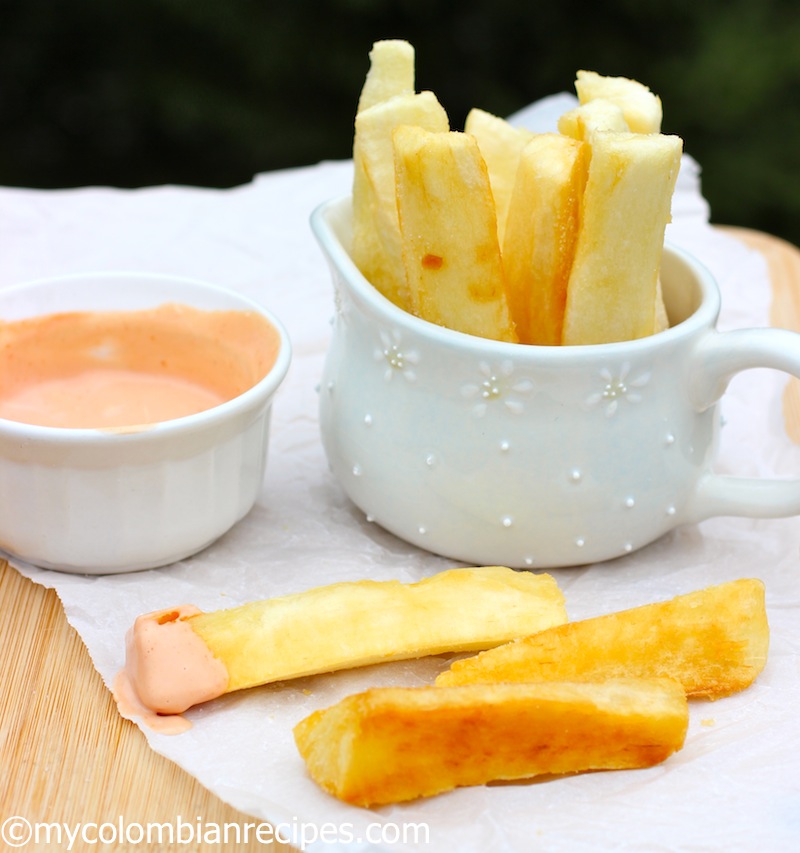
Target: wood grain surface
x: 783, y: 260
x: 65, y: 753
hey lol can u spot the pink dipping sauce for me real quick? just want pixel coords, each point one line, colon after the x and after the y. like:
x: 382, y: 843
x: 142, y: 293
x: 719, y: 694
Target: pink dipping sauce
x: 105, y: 370
x: 168, y: 669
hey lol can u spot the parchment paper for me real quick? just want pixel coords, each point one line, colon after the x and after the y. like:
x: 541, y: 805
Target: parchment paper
x: 736, y: 784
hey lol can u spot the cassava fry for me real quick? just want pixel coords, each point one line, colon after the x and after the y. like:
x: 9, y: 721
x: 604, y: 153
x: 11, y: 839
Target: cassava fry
x: 391, y: 72
x: 501, y: 145
x: 376, y: 247
x: 392, y: 744
x: 599, y: 114
x: 332, y: 627
x: 611, y: 295
x: 641, y: 108
x: 582, y: 123
x: 448, y: 229
x: 541, y: 233
x: 714, y: 641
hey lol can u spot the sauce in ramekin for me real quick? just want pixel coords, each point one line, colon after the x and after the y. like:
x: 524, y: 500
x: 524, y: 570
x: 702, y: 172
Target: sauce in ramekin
x: 117, y: 369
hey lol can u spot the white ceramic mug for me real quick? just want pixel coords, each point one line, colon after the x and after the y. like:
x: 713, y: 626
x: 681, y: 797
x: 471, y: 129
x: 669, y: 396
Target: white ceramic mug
x: 530, y: 456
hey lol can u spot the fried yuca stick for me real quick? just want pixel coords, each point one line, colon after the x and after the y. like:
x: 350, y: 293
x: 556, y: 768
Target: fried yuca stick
x: 599, y: 114
x: 448, y: 227
x: 501, y: 145
x: 541, y: 232
x: 714, y: 641
x: 392, y: 744
x: 640, y: 107
x: 376, y: 238
x: 179, y: 657
x: 611, y: 295
x: 376, y: 247
x: 391, y: 72
x: 607, y: 103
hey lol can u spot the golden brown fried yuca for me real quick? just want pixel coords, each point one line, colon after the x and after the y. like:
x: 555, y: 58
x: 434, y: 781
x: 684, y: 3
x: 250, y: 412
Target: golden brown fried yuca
x: 391, y: 72
x: 714, y: 641
x: 612, y: 290
x: 376, y: 246
x: 541, y: 233
x: 393, y: 744
x: 640, y: 107
x: 590, y: 117
x: 500, y: 144
x: 448, y: 228
x: 356, y: 623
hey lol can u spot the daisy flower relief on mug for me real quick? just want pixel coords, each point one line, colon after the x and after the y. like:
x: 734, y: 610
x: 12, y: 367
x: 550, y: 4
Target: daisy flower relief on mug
x: 497, y: 386
x: 396, y: 357
x: 618, y: 388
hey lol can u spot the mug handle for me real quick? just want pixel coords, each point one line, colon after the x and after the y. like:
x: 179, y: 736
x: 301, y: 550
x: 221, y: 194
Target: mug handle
x: 718, y: 358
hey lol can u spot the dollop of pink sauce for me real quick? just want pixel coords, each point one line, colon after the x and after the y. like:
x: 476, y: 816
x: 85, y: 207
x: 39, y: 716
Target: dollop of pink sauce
x: 168, y: 669
x: 116, y: 369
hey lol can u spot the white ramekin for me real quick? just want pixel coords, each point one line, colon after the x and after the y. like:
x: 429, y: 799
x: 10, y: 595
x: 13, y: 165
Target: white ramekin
x: 96, y: 501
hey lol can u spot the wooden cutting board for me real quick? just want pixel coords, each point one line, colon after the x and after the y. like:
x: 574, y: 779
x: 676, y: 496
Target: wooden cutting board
x: 65, y: 753
x: 783, y: 260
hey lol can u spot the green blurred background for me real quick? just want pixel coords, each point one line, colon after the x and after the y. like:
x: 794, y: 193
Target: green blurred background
x: 211, y: 93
